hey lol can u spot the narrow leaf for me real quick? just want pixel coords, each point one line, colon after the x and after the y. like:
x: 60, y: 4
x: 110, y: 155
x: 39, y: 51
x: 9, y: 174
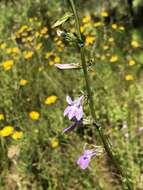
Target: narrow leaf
x: 62, y: 20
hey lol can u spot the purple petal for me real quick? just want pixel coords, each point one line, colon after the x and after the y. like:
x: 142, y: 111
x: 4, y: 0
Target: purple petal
x: 72, y: 112
x: 70, y: 128
x: 89, y: 153
x: 79, y: 113
x: 78, y: 102
x: 83, y: 162
x: 67, y: 110
x: 66, y: 66
x: 69, y: 100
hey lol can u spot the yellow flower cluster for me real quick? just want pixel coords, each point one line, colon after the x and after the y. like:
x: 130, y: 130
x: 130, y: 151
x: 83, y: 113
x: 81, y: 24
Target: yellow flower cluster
x: 132, y: 62
x: 3, y: 45
x: 28, y: 54
x: 89, y: 40
x: 23, y: 82
x: 129, y: 77
x: 2, y: 117
x: 60, y: 45
x: 52, y: 58
x: 86, y: 19
x: 38, y: 46
x: 44, y: 30
x: 7, y: 65
x: 104, y: 14
x: 114, y: 26
x: 34, y: 115
x: 9, y: 131
x: 50, y: 100
x: 54, y: 143
x: 14, y: 51
x: 17, y: 135
x: 135, y: 44
x: 114, y: 59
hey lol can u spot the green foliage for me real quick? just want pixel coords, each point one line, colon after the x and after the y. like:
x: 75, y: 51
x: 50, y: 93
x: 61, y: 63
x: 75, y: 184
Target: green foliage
x: 44, y: 158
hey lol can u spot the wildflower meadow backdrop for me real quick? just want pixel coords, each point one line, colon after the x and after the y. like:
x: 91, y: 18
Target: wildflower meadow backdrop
x: 71, y: 95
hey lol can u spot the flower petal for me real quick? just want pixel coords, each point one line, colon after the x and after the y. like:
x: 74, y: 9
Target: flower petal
x: 70, y: 128
x: 79, y: 113
x: 69, y: 100
x: 79, y: 101
x: 83, y: 162
x: 67, y: 110
x: 72, y: 112
x: 67, y: 66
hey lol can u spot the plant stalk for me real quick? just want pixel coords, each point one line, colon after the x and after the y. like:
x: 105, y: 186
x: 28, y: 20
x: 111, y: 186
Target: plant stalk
x: 91, y: 103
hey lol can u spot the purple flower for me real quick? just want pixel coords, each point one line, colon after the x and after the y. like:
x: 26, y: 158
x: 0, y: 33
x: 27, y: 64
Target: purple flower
x: 67, y: 66
x: 71, y: 127
x: 84, y: 159
x: 74, y: 109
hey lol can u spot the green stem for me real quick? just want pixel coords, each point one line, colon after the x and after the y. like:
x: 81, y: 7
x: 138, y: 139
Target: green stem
x: 91, y: 103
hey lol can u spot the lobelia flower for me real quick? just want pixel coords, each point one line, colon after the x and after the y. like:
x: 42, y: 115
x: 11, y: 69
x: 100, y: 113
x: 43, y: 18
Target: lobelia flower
x: 74, y: 109
x: 84, y: 159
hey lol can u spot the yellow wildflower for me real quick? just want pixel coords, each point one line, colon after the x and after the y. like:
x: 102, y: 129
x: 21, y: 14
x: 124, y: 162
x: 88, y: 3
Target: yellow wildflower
x: 134, y: 44
x: 44, y: 30
x: 97, y: 24
x: 51, y: 62
x: 48, y: 54
x: 57, y: 59
x: 104, y: 14
x: 15, y: 50
x: 54, y: 142
x: 37, y: 34
x: 3, y: 46
x: 23, y: 82
x: 50, y: 100
x: 132, y: 62
x: 82, y: 28
x: 86, y: 19
x: 24, y: 27
x: 89, y: 40
x: 28, y: 54
x: 111, y: 39
x: 34, y: 115
x: 38, y: 46
x: 87, y: 25
x: 7, y: 65
x: 59, y: 42
x: 17, y: 135
x: 129, y: 77
x: 1, y: 117
x: 31, y: 20
x: 24, y: 34
x: 114, y: 26
x: 114, y: 59
x: 6, y: 131
x: 29, y: 39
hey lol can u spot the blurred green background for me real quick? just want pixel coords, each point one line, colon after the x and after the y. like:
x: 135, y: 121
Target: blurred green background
x: 34, y: 153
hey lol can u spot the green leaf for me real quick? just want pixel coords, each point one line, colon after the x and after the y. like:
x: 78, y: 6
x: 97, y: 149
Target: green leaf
x: 62, y: 20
